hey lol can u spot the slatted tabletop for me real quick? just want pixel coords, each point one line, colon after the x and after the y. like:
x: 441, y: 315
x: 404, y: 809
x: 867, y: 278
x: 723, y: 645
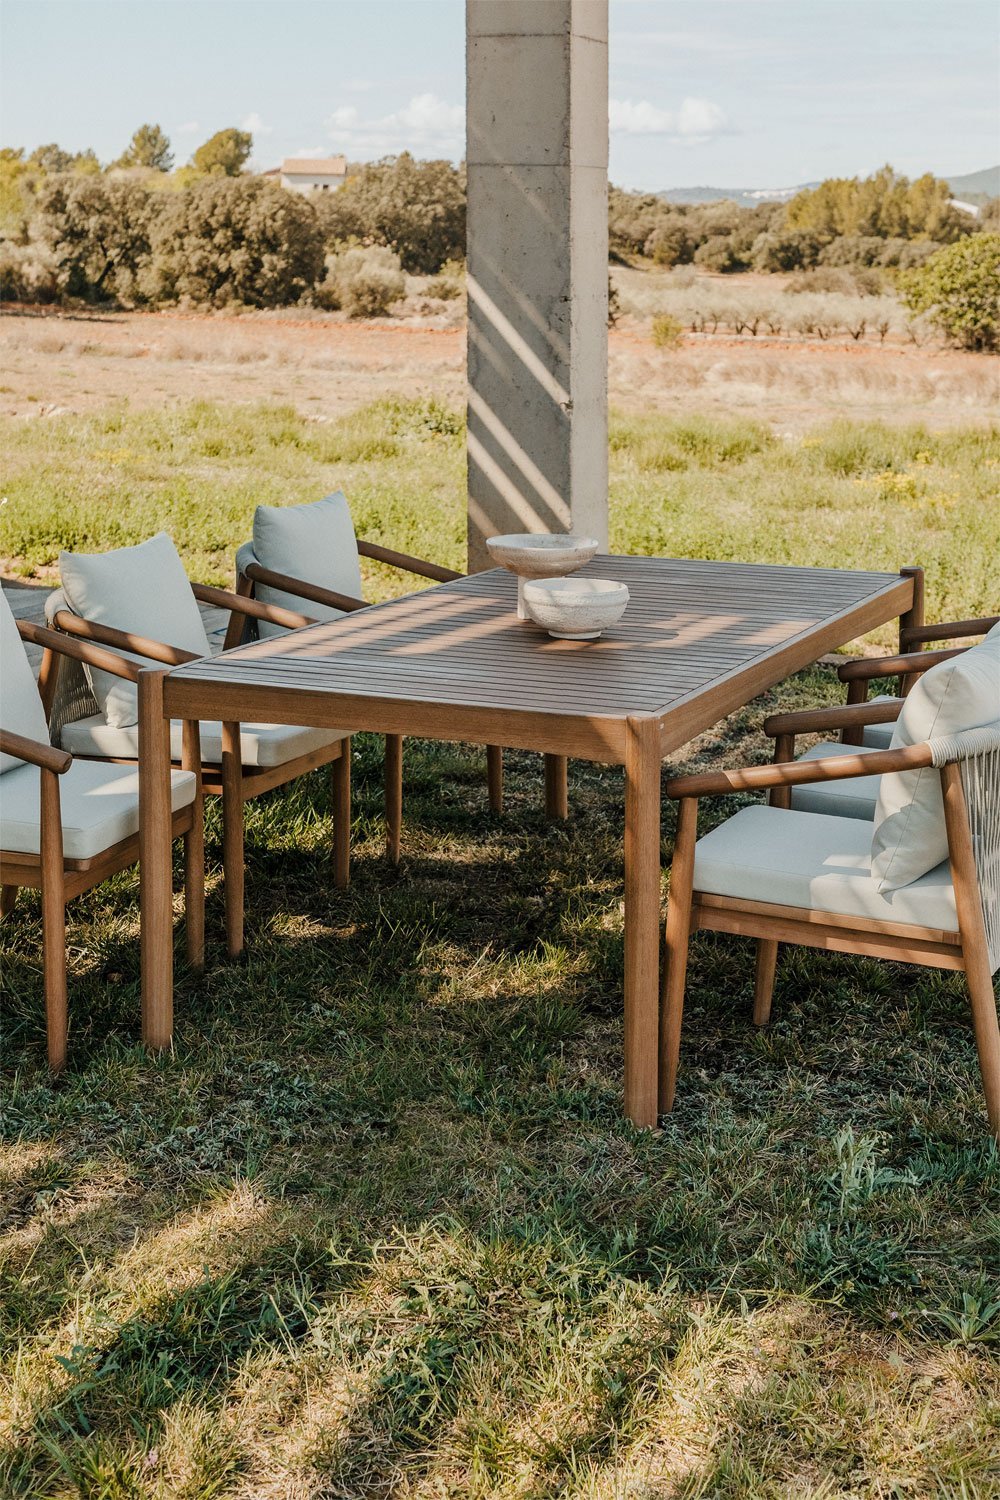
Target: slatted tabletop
x: 697, y: 639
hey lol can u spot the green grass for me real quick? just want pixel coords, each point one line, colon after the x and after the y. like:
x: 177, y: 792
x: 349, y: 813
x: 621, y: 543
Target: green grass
x: 376, y: 1226
x: 857, y: 496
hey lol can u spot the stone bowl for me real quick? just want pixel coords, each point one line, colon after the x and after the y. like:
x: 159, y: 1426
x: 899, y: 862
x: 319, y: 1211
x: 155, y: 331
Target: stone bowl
x: 575, y: 609
x: 544, y: 554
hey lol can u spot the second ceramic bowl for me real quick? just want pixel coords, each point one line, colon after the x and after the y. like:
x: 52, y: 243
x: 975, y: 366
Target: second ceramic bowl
x: 575, y: 609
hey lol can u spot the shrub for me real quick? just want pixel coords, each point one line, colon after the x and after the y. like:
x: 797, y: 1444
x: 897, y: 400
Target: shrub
x: 28, y: 273
x: 959, y: 289
x: 364, y: 280
x: 786, y: 251
x: 719, y: 254
x: 449, y: 283
x: 667, y: 331
x: 416, y: 208
x: 235, y: 240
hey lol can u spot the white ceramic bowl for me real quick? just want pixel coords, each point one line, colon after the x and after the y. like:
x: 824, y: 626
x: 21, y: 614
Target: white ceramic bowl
x: 540, y: 555
x: 575, y: 609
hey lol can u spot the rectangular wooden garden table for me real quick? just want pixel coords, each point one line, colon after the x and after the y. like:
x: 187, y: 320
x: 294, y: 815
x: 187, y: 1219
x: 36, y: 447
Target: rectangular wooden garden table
x: 698, y: 640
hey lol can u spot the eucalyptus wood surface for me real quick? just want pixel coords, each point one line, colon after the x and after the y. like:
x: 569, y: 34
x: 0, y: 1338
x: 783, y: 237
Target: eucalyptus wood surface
x: 698, y: 640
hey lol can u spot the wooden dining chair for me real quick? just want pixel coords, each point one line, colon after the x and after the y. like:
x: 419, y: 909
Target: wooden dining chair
x: 816, y: 872
x: 312, y: 553
x: 155, y: 618
x: 67, y: 824
x: 919, y: 882
x: 864, y: 723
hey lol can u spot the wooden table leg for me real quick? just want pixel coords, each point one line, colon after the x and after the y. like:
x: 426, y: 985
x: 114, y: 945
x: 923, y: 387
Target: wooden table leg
x: 494, y: 777
x: 342, y: 817
x: 393, y: 796
x: 156, y: 943
x: 642, y: 919
x: 556, y: 788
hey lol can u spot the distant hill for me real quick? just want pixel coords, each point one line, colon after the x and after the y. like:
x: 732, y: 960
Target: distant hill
x: 973, y: 187
x: 976, y: 187
x: 745, y: 197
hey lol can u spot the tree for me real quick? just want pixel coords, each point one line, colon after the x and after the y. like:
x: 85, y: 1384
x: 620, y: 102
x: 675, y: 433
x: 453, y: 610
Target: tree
x: 234, y: 240
x: 416, y: 208
x: 224, y: 154
x: 98, y: 230
x: 886, y: 205
x: 149, y: 147
x: 959, y: 288
x: 51, y: 158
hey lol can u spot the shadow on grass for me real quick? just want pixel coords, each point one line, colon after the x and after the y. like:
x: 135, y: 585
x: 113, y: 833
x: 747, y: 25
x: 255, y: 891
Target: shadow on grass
x: 377, y: 1220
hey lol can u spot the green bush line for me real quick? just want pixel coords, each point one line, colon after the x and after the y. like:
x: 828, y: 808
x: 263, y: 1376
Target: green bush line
x: 854, y: 495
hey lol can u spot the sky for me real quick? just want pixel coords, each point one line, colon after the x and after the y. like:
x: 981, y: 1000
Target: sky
x: 732, y: 93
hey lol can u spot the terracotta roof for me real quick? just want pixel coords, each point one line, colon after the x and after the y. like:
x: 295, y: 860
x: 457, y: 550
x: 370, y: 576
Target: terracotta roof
x: 314, y: 166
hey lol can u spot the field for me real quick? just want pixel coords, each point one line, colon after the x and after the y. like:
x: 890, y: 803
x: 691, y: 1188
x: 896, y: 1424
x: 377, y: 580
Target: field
x: 375, y: 1226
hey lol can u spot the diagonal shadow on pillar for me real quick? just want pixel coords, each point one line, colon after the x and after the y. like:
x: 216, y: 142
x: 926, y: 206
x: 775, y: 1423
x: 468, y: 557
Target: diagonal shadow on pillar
x: 537, y: 151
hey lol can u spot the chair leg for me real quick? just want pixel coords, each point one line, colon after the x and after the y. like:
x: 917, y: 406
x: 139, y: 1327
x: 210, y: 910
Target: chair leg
x: 53, y: 923
x: 341, y: 788
x: 194, y: 858
x: 556, y: 787
x: 394, y: 795
x: 678, y: 935
x: 987, y: 1030
x: 8, y: 899
x: 975, y: 945
x: 494, y: 777
x: 232, y: 837
x: 763, y: 984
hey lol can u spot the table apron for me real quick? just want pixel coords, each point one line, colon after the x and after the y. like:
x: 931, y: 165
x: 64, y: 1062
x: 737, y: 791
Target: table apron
x: 583, y: 738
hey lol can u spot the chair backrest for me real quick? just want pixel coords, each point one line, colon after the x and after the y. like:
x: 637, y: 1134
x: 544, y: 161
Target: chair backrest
x: 21, y: 710
x: 960, y: 694
x: 977, y: 753
x: 143, y: 590
x: 72, y: 696
x: 315, y: 543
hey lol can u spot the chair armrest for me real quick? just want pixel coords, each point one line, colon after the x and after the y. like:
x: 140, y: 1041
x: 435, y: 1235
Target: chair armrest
x: 817, y: 720
x: 47, y: 757
x: 79, y: 650
x: 311, y: 591
x: 407, y: 563
x: 801, y: 772
x: 946, y: 630
x: 122, y: 640
x: 224, y: 599
x: 867, y: 668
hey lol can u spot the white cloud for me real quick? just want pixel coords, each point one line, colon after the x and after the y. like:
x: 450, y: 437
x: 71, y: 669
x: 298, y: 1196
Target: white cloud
x: 344, y: 118
x: 426, y: 123
x: 188, y: 128
x: 697, y: 120
x: 255, y: 124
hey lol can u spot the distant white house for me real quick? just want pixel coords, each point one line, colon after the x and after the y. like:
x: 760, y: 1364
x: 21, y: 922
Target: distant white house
x: 311, y: 174
x: 965, y: 208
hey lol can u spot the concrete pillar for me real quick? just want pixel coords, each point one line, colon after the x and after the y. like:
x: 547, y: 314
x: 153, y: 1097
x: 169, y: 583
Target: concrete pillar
x: 537, y: 152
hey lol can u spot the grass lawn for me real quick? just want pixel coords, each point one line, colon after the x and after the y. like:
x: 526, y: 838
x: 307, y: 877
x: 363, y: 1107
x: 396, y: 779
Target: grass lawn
x: 376, y: 1226
x: 845, y: 494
